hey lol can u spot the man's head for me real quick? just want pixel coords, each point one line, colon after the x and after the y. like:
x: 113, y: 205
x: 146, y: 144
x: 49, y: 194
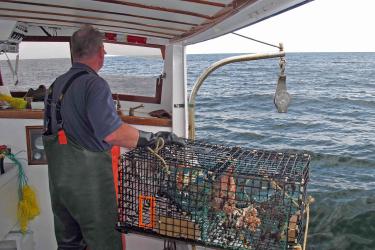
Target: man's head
x: 87, y: 47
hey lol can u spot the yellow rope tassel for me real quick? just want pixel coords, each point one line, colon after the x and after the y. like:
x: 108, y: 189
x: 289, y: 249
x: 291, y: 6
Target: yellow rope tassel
x: 30, y: 197
x: 28, y: 207
x: 16, y: 103
x: 23, y: 215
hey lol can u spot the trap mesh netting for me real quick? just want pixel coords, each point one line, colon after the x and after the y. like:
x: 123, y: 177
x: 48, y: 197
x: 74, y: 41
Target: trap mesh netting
x: 212, y: 195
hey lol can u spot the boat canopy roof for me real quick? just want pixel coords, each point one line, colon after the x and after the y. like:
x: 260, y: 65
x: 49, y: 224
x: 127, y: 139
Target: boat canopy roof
x: 156, y: 22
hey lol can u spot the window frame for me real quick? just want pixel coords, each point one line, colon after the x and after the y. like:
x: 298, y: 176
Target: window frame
x: 156, y: 99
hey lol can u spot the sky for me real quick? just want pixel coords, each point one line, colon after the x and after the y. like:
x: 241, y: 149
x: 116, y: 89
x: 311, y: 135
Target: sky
x: 319, y: 26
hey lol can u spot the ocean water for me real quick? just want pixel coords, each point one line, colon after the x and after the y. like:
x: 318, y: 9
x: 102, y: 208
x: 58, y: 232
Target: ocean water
x: 331, y: 116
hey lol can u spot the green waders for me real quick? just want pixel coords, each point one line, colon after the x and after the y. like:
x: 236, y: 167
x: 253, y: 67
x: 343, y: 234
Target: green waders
x: 82, y: 195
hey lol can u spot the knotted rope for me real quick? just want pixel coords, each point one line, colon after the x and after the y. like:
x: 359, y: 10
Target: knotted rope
x: 158, y: 146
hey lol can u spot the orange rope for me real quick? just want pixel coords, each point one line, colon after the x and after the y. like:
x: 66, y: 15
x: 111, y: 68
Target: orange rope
x: 115, y: 152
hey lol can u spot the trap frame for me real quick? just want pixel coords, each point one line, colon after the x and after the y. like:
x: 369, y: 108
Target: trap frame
x: 215, y: 195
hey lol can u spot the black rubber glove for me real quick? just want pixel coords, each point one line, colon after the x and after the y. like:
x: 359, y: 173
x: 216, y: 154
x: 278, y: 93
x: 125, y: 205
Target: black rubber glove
x: 149, y: 139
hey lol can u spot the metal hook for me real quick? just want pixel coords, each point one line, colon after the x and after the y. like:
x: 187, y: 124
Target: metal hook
x: 282, y: 64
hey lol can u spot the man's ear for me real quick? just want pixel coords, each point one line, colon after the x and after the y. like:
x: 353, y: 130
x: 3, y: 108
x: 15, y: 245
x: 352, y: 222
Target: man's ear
x: 103, y: 50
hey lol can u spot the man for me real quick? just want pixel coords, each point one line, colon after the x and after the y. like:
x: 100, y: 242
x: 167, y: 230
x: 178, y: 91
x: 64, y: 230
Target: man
x: 81, y: 125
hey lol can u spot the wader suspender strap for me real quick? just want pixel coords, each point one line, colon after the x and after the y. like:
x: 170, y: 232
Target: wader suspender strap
x: 58, y: 104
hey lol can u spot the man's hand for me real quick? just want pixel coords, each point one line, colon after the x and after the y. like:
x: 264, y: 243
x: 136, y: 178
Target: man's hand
x: 150, y: 139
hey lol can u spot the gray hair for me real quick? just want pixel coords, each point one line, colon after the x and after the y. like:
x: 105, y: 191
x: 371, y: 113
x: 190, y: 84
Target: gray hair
x: 86, y: 42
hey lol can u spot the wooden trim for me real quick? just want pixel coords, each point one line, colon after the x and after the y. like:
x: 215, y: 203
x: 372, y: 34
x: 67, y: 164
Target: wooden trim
x: 136, y: 98
x: 67, y: 39
x: 1, y: 78
x: 163, y: 52
x: 70, y: 52
x: 46, y: 39
x: 158, y: 89
x: 157, y: 46
x: 150, y: 7
x: 39, y: 114
x: 167, y: 35
x: 22, y: 114
x: 137, y: 120
x: 96, y: 11
x: 122, y: 97
x: 206, y: 3
x: 95, y: 18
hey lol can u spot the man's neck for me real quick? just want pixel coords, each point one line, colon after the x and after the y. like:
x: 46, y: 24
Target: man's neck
x: 90, y: 63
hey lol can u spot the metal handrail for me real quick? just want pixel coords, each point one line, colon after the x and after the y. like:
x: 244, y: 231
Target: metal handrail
x: 213, y: 67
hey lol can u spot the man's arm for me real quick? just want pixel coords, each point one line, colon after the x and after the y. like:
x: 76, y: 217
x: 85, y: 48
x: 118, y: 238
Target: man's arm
x: 129, y: 137
x: 125, y: 136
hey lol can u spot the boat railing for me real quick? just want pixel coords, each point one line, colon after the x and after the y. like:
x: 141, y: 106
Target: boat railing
x: 215, y: 66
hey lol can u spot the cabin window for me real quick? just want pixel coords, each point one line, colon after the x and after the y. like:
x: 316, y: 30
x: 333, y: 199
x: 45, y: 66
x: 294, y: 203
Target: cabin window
x: 33, y: 72
x: 133, y: 72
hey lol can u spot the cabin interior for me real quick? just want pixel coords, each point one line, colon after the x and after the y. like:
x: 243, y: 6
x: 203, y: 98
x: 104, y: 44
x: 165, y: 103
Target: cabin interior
x: 21, y: 130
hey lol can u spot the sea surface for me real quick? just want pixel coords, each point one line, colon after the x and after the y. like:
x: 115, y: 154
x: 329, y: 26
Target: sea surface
x: 331, y: 116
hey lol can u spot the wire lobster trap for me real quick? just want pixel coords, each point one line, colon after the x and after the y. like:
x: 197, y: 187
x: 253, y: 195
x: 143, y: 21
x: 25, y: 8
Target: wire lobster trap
x: 214, y: 195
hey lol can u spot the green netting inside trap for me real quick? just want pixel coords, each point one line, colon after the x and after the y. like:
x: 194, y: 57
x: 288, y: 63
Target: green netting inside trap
x: 217, y: 196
